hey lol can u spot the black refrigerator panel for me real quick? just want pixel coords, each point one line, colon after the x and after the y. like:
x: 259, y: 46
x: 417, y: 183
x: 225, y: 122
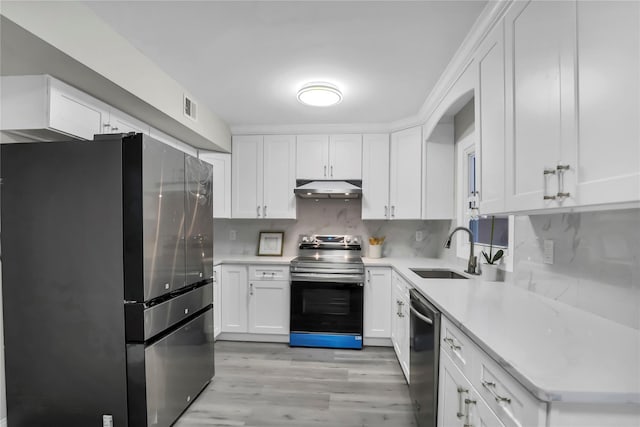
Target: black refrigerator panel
x: 199, y: 220
x: 154, y: 218
x: 62, y: 275
x: 167, y: 374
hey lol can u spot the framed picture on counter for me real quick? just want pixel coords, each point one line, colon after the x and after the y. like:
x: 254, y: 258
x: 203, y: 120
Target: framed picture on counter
x: 270, y: 243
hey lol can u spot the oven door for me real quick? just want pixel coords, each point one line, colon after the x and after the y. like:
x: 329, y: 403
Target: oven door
x: 326, y: 312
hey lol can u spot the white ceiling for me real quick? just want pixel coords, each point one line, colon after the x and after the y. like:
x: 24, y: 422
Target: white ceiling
x: 246, y: 59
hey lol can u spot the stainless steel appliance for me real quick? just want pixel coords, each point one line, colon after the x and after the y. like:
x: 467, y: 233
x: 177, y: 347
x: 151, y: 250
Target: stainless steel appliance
x: 107, y: 265
x: 424, y: 359
x: 327, y: 282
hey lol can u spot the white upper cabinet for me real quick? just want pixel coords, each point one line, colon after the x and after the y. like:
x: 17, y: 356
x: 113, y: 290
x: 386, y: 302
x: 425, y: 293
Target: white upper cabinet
x: 326, y: 157
x: 375, y: 176
x: 43, y: 108
x: 405, y: 192
x: 608, y: 152
x: 438, y: 173
x: 263, y: 176
x: 540, y: 113
x: 279, y: 172
x: 490, y: 124
x: 221, y: 163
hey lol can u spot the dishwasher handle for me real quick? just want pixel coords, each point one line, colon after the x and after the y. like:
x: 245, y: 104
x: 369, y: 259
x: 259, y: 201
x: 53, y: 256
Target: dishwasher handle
x: 420, y: 315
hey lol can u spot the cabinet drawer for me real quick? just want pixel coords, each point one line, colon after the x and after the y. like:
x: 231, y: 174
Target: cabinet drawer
x: 511, y: 402
x: 458, y: 347
x: 269, y: 272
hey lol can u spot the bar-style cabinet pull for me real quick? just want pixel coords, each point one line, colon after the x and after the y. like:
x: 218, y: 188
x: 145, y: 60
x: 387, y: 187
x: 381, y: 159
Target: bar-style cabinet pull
x: 393, y: 211
x: 251, y: 289
x: 490, y: 386
x: 325, y: 170
x: 331, y: 171
x: 546, y: 172
x: 264, y: 211
x: 258, y: 211
x: 386, y: 211
x: 461, y: 390
x: 561, y: 170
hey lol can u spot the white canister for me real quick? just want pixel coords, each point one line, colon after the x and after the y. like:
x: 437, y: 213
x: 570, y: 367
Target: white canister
x: 375, y: 251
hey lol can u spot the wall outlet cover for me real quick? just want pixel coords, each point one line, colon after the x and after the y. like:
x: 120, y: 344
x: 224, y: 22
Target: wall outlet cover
x: 233, y: 235
x: 419, y: 236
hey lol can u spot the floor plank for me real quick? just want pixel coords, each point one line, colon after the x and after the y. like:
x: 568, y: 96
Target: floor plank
x: 264, y: 384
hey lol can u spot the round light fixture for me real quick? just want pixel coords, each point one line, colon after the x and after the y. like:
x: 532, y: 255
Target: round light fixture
x: 319, y: 94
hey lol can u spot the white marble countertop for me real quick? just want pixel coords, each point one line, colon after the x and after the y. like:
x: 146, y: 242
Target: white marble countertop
x: 556, y: 351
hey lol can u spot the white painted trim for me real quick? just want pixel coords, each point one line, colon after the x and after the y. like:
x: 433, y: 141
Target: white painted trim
x: 459, y: 63
x: 377, y: 342
x: 235, y: 336
x: 3, y: 422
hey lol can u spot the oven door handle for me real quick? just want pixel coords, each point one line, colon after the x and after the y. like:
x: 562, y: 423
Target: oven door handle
x: 333, y: 278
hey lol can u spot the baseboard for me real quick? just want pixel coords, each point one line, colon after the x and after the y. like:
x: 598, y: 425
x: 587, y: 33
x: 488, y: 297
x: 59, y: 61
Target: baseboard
x: 378, y: 342
x: 235, y: 336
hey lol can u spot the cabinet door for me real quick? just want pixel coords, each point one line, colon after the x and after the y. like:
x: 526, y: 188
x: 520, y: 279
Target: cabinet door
x: 345, y: 157
x: 269, y: 307
x: 404, y: 336
x: 246, y: 170
x: 279, y: 177
x: 312, y: 157
x: 375, y: 176
x: 120, y: 122
x: 75, y: 113
x: 608, y: 153
x: 405, y: 193
x: 221, y: 163
x: 377, y: 303
x: 489, y: 107
x: 217, y: 315
x: 438, y: 173
x: 453, y: 389
x: 395, y: 314
x: 540, y: 88
x: 233, y: 298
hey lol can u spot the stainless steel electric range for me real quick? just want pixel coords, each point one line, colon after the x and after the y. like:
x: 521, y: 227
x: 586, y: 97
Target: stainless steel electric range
x: 327, y: 283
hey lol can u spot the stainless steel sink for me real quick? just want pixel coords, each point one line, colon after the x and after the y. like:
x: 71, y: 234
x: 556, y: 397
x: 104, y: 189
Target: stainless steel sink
x: 437, y: 273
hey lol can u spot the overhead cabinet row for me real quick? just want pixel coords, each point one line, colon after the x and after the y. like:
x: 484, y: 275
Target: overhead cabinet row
x: 403, y: 177
x: 558, y: 107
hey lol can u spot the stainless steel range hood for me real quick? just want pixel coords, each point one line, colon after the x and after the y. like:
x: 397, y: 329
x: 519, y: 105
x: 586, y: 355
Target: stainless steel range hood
x: 328, y: 189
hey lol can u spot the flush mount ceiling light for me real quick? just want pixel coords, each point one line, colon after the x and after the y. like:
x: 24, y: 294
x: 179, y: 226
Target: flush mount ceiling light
x: 319, y: 94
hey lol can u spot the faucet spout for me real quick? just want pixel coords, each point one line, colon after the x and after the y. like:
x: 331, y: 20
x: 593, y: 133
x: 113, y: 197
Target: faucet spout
x: 472, y: 264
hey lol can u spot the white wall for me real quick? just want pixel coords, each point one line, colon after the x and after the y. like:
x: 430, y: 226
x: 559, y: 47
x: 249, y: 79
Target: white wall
x: 332, y: 217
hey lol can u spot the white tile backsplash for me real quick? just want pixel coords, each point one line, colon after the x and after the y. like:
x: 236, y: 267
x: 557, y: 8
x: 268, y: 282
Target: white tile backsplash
x: 332, y: 217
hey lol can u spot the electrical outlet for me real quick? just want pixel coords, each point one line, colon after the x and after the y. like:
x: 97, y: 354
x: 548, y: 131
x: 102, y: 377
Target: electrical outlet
x: 107, y: 421
x: 233, y: 235
x: 419, y: 236
x: 548, y: 252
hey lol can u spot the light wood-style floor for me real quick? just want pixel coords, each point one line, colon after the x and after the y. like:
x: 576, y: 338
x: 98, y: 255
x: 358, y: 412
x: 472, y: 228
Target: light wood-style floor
x: 261, y: 384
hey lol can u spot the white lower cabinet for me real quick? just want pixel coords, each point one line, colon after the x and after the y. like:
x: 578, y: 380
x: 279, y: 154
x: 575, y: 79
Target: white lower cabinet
x: 255, y: 306
x: 217, y: 315
x: 377, y: 300
x: 400, y: 321
x: 233, y: 298
x: 474, y: 390
x: 269, y: 302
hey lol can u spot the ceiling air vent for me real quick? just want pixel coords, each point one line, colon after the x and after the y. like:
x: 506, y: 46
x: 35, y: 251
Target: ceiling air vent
x: 190, y: 108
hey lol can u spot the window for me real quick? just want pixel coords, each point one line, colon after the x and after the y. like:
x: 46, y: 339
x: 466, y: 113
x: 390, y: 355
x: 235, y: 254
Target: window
x: 468, y: 214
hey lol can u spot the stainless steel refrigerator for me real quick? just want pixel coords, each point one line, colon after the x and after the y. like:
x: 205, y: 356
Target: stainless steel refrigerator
x: 107, y: 264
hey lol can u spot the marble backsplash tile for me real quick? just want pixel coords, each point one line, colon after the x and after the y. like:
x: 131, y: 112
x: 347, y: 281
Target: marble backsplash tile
x: 333, y: 217
x: 596, y: 261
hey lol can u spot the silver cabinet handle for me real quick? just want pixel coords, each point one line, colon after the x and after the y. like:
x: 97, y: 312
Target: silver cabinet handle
x: 461, y: 390
x: 264, y: 211
x: 331, y: 171
x: 490, y: 386
x: 420, y: 315
x: 467, y: 409
x: 325, y: 170
x: 400, y: 303
x: 452, y: 344
x: 393, y: 211
x: 368, y: 276
x: 106, y: 125
x: 398, y: 308
x: 114, y: 129
x: 561, y: 170
x: 258, y: 211
x: 546, y: 172
x: 250, y: 288
x: 386, y: 211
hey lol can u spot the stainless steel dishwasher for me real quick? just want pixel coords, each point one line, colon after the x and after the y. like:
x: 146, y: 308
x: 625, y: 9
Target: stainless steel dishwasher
x: 424, y: 359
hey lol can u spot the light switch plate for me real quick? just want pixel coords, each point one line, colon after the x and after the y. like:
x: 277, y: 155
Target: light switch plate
x: 233, y: 235
x: 548, y: 252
